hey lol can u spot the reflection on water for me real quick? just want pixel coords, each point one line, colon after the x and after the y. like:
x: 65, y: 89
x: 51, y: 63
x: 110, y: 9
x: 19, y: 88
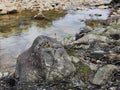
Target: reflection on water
x: 13, y: 44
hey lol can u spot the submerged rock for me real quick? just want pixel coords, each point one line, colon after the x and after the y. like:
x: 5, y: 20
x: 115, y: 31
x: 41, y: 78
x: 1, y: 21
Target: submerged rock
x: 45, y: 60
x: 39, y: 16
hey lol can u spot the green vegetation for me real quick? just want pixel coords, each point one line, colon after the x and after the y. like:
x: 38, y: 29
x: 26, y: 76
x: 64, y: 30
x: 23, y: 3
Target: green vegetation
x: 71, y: 52
x: 83, y: 71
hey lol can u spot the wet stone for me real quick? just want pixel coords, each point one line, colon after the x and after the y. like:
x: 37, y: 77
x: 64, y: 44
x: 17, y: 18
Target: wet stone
x: 45, y: 60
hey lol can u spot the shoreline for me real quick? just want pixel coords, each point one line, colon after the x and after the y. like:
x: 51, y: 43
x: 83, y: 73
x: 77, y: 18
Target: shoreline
x: 7, y: 7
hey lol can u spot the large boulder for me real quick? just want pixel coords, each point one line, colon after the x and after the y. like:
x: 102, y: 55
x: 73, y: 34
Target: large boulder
x: 45, y: 60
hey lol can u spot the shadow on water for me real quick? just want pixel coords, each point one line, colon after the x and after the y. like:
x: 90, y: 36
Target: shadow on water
x: 18, y: 31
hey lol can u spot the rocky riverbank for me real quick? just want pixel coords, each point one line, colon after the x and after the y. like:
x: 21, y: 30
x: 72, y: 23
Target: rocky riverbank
x: 11, y: 6
x: 99, y: 50
x: 88, y: 61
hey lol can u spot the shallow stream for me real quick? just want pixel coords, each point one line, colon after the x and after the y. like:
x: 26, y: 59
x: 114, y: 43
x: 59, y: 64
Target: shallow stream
x: 18, y: 31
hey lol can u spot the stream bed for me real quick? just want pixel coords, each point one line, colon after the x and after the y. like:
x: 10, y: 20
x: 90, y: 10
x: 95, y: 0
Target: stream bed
x: 16, y: 34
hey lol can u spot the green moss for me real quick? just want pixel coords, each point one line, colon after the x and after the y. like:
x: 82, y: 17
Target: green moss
x: 71, y: 52
x: 83, y: 72
x: 83, y: 68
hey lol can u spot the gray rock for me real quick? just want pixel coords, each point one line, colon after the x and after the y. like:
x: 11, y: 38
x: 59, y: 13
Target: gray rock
x: 98, y: 54
x: 103, y: 74
x: 118, y: 11
x: 89, y: 38
x: 112, y: 19
x: 75, y: 59
x: 46, y: 59
x: 99, y: 31
x: 113, y: 33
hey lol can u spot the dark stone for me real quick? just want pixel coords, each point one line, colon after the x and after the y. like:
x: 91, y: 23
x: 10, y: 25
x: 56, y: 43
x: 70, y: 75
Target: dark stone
x: 97, y: 54
x: 115, y: 3
x: 12, y: 12
x: 82, y: 32
x: 45, y: 60
x: 115, y: 36
x: 79, y: 35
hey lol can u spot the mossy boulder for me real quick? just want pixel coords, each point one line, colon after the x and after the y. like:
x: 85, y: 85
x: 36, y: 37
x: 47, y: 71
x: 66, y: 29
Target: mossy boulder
x: 45, y: 60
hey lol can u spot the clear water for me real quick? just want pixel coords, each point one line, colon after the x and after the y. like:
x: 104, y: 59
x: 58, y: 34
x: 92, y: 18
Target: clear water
x: 14, y: 44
